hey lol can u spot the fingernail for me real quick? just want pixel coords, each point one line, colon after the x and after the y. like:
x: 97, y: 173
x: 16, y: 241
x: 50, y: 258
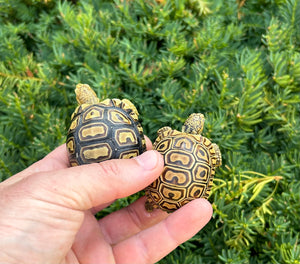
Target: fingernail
x: 148, y: 160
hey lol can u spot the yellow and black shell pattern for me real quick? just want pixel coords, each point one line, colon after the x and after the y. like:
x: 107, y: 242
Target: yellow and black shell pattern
x: 103, y: 131
x: 190, y: 162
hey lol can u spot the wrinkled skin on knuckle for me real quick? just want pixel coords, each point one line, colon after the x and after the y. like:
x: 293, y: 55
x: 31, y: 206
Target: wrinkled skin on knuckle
x: 110, y: 175
x: 108, y: 169
x: 135, y: 217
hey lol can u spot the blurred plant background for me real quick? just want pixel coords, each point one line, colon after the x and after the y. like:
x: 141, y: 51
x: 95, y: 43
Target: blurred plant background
x: 236, y: 61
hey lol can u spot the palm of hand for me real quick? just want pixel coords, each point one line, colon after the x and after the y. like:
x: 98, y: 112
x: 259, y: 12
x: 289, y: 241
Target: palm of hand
x: 47, y: 214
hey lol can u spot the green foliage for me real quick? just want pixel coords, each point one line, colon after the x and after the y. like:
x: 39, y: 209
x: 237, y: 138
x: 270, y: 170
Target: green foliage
x: 238, y: 62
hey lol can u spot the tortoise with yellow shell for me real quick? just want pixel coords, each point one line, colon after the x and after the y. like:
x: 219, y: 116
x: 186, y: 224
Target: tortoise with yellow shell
x: 190, y: 163
x: 103, y: 130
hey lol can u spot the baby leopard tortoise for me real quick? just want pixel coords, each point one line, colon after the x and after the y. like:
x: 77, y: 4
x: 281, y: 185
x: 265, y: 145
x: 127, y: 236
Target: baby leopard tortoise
x: 103, y: 130
x: 190, y: 163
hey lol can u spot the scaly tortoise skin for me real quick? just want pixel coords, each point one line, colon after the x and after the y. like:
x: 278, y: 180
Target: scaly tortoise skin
x: 104, y: 130
x: 190, y: 163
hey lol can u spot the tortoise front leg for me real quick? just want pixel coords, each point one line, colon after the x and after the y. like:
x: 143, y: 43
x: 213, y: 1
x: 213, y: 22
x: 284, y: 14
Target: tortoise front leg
x: 218, y: 154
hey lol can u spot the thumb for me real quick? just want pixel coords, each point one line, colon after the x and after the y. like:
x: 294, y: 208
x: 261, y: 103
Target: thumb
x: 87, y: 186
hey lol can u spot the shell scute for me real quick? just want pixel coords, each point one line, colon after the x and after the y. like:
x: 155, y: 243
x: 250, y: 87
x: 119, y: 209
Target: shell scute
x: 176, y: 176
x: 201, y: 172
x: 125, y: 137
x: 117, y: 117
x: 93, y: 132
x: 186, y: 143
x: 94, y: 112
x: 179, y: 158
x: 96, y: 152
x: 171, y: 193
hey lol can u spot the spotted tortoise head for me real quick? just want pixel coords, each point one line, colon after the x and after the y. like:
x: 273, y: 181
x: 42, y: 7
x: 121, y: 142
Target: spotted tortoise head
x: 194, y: 124
x: 85, y: 94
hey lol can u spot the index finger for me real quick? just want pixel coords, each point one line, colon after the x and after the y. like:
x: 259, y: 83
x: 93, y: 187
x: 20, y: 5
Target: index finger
x: 152, y: 244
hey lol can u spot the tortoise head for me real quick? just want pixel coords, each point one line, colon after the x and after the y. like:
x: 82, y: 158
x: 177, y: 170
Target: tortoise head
x: 85, y: 94
x: 194, y: 124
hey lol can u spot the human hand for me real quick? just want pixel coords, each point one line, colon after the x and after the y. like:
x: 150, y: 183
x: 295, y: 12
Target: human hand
x: 47, y: 213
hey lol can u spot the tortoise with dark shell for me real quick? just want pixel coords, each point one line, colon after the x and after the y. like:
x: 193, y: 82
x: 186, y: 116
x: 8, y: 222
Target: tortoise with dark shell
x: 190, y: 163
x: 104, y: 130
